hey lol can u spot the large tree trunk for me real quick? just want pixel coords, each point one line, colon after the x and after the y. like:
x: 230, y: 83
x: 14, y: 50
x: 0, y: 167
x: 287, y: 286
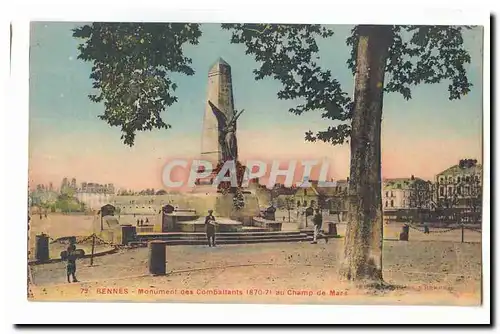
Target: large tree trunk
x: 364, y: 235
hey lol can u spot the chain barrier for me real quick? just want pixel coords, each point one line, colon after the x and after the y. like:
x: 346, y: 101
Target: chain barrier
x: 474, y: 229
x: 85, y: 239
x: 443, y: 231
x: 415, y: 228
x: 100, y: 241
x: 97, y: 240
x: 448, y: 230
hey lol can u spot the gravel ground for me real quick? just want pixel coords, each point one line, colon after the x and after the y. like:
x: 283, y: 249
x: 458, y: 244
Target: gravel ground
x: 431, y: 268
x: 421, y: 273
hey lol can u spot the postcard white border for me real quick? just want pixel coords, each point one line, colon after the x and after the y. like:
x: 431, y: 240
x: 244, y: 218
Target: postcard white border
x: 327, y: 12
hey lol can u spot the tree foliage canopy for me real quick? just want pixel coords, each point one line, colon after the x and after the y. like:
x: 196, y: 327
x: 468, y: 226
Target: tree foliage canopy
x: 133, y: 63
x: 131, y: 67
x: 418, y: 54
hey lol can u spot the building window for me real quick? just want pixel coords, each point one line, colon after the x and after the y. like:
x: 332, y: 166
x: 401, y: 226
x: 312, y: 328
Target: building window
x: 450, y: 190
x: 386, y: 194
x: 458, y: 179
x: 386, y: 203
x: 466, y: 190
x: 441, y: 191
x: 399, y: 186
x: 392, y: 203
x: 450, y: 179
x: 305, y: 192
x: 459, y: 190
x: 441, y: 179
x: 392, y: 195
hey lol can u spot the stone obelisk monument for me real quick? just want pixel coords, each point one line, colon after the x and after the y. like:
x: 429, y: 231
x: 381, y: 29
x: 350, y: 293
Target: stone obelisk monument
x: 220, y: 93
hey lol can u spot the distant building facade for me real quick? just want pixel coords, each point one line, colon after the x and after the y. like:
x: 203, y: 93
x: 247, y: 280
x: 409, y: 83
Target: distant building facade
x: 460, y: 185
x: 95, y: 195
x: 331, y: 198
x: 96, y: 188
x: 406, y: 193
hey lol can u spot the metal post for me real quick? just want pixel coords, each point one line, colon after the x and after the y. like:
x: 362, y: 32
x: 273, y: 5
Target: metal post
x: 462, y: 232
x: 92, y: 252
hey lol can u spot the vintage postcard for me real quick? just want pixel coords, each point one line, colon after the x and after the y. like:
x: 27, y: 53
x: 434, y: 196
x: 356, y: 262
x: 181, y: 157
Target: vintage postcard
x: 255, y: 163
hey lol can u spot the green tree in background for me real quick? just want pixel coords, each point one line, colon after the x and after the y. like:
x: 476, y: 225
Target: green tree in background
x: 133, y: 62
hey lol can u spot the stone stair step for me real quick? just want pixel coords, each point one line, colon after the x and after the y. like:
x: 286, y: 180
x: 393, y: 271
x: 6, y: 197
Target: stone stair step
x: 230, y: 241
x: 219, y: 233
x: 223, y: 237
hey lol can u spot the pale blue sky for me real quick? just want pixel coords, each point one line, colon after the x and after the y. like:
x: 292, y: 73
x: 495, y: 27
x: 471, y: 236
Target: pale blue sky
x: 62, y: 114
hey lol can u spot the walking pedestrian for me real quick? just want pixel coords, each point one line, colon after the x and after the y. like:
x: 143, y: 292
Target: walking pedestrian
x: 210, y: 228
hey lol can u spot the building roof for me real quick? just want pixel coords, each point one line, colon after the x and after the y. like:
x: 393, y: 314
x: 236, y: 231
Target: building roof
x: 399, y: 183
x: 326, y: 191
x: 453, y: 170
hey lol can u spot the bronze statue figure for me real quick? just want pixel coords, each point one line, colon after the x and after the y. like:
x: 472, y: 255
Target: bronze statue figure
x: 227, y: 133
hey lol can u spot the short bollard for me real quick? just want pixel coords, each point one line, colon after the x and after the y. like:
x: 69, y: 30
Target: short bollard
x: 157, y: 257
x: 332, y: 229
x: 403, y: 236
x: 42, y: 248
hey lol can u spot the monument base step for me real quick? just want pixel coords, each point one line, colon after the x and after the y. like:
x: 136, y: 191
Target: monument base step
x: 300, y: 238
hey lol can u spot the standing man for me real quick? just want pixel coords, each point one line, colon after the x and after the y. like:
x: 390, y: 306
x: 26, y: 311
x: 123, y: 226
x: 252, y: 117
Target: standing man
x: 210, y: 228
x: 318, y: 223
x: 71, y: 266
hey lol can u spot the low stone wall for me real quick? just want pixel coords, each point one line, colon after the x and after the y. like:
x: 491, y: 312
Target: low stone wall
x: 145, y: 229
x: 191, y: 227
x: 270, y: 225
